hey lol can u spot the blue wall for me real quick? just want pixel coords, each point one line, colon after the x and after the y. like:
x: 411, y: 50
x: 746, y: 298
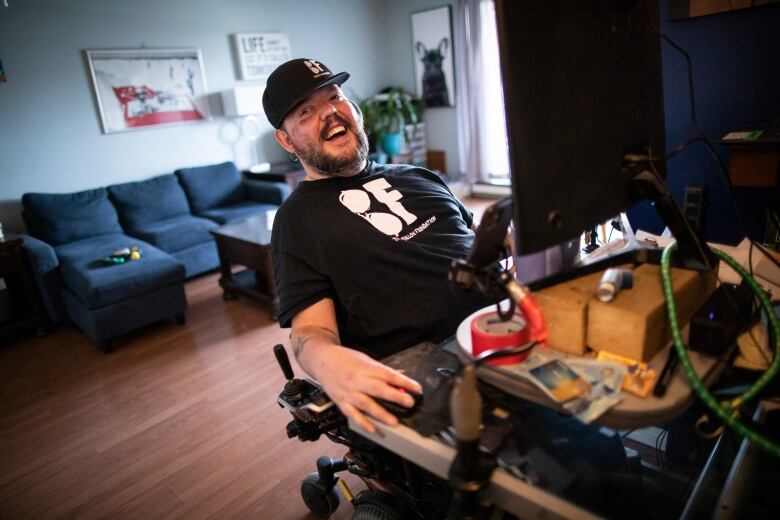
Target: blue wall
x: 50, y: 134
x: 736, y: 68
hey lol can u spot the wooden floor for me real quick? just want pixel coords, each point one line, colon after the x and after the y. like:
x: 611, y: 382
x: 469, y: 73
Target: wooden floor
x: 179, y: 422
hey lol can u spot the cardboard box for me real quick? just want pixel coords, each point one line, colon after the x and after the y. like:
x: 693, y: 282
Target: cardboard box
x: 635, y: 324
x: 565, y: 308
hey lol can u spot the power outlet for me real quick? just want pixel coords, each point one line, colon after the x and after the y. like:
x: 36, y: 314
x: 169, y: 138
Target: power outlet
x: 693, y: 205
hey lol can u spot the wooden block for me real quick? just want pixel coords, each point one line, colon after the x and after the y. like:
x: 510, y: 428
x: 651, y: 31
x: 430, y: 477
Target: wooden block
x: 565, y: 308
x: 635, y: 324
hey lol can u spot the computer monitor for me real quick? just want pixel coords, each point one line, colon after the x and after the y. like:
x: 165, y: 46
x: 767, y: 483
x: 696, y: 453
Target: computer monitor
x: 582, y: 89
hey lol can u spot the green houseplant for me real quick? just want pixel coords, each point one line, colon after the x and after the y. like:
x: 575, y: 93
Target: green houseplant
x: 385, y: 117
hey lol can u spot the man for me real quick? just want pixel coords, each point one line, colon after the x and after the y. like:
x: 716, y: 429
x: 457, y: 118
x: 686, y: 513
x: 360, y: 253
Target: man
x: 360, y: 251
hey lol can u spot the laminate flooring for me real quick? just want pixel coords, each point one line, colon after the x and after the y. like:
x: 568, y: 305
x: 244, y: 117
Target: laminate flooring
x: 179, y: 422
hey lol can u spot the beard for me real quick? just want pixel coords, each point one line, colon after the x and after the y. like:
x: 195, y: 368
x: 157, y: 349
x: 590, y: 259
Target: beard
x: 346, y: 164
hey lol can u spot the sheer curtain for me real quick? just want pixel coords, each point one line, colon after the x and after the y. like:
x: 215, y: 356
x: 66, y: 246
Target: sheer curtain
x: 482, y: 144
x: 467, y: 73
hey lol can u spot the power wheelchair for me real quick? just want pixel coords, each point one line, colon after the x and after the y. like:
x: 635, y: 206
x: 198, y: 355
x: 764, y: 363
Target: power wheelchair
x: 397, y: 488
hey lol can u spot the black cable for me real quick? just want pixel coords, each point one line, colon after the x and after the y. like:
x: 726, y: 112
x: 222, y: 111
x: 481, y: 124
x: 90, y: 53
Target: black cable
x: 701, y: 136
x: 689, y: 63
x: 775, y: 219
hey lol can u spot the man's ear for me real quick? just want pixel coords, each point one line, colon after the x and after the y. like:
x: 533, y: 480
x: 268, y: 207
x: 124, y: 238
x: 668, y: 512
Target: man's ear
x: 283, y: 138
x: 358, y: 112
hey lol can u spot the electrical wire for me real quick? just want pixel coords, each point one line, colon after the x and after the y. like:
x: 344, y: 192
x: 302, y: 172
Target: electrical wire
x: 701, y: 136
x: 728, y: 411
x: 688, y: 61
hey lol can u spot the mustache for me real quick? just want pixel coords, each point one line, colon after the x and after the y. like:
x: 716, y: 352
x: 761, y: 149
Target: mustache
x: 332, y: 121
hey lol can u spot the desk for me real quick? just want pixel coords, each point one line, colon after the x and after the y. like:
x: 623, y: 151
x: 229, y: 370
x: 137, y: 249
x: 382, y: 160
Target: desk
x: 506, y: 491
x: 632, y: 411
x: 557, y: 451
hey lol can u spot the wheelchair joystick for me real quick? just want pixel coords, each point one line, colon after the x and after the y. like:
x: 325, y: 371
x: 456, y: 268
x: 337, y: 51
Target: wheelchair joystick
x: 312, y: 410
x: 293, y: 389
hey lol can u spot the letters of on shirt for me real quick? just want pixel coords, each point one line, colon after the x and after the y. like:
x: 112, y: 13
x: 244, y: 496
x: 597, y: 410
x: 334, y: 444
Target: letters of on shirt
x: 359, y: 202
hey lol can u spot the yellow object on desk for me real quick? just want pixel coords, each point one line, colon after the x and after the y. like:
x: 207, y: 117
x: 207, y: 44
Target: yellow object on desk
x: 639, y: 379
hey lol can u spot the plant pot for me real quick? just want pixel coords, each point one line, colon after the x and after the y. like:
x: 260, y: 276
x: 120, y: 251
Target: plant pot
x: 391, y: 143
x: 378, y: 157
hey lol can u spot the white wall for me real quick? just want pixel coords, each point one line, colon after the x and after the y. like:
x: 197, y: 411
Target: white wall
x: 50, y: 134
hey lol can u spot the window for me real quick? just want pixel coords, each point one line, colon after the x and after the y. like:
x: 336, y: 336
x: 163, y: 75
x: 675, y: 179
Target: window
x: 492, y: 132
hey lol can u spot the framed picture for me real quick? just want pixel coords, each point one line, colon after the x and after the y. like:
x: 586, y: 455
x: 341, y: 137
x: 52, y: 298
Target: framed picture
x: 258, y: 54
x: 143, y: 88
x: 434, y: 69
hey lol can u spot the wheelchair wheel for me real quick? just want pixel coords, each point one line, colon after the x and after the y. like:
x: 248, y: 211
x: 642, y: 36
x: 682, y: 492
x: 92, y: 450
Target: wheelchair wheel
x: 377, y: 505
x: 320, y: 500
x: 374, y: 512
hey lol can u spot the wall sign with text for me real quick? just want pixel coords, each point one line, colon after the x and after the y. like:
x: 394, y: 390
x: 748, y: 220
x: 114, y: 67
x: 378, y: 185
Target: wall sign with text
x: 258, y: 54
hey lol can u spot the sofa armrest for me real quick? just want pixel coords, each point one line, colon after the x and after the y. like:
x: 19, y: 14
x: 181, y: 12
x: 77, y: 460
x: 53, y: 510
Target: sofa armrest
x: 267, y: 192
x: 45, y: 267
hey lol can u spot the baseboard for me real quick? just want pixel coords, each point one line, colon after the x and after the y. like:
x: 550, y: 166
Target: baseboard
x: 484, y: 189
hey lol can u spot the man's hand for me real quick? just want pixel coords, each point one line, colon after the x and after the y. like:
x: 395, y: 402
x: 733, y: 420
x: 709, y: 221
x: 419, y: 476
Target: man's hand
x: 351, y: 379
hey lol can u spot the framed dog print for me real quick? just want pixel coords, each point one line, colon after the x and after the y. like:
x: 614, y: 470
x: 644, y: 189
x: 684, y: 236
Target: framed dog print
x: 433, y: 57
x: 144, y: 88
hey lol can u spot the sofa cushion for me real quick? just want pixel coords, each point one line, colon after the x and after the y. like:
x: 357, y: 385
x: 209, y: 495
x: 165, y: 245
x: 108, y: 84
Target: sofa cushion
x: 143, y: 202
x: 177, y: 233
x: 66, y: 217
x: 98, y: 284
x: 211, y: 186
x: 236, y: 212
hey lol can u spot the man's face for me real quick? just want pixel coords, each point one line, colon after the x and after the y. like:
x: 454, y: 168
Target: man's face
x: 326, y: 133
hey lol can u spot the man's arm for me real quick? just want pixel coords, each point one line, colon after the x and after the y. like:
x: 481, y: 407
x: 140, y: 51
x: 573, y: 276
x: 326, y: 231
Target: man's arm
x: 351, y: 378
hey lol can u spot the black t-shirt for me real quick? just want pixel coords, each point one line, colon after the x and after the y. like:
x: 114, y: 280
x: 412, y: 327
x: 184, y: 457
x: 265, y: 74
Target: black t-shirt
x: 380, y: 245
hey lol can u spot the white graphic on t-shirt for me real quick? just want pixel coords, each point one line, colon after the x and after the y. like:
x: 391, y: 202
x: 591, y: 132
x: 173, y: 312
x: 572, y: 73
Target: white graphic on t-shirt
x: 378, y: 189
x: 358, y: 202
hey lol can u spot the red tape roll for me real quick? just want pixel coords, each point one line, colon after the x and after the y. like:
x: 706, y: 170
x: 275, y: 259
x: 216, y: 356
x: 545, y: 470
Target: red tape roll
x: 489, y: 332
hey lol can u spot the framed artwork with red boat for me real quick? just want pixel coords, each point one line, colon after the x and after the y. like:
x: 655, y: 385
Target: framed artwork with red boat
x: 148, y: 88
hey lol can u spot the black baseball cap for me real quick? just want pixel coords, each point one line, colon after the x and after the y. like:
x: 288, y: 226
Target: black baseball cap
x: 292, y: 82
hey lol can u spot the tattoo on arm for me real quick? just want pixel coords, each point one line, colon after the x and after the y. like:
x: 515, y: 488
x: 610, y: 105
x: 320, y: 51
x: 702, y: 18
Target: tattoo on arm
x: 300, y: 342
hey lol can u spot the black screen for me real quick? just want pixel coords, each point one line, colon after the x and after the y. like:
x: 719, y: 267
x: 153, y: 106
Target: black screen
x: 582, y: 88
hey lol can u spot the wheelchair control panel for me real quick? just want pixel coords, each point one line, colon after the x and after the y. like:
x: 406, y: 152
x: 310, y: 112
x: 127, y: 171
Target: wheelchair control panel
x: 313, y: 412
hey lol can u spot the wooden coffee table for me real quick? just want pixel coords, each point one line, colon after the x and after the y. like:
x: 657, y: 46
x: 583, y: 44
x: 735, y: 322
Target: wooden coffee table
x: 247, y: 243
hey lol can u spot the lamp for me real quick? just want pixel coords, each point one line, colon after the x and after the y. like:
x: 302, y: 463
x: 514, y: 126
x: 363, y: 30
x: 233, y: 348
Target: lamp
x: 245, y: 102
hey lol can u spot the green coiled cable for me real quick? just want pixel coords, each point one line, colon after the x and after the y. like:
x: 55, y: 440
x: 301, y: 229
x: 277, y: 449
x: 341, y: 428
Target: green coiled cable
x: 728, y: 411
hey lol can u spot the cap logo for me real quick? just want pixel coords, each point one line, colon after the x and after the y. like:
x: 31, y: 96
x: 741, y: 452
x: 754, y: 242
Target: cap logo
x: 315, y: 68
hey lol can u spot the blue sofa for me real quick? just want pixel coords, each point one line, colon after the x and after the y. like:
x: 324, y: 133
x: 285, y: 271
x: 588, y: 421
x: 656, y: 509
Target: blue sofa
x: 218, y: 192
x: 70, y: 233
x: 156, y: 210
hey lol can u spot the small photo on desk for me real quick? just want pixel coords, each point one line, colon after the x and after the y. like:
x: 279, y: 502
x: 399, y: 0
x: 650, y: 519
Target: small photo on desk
x: 559, y: 381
